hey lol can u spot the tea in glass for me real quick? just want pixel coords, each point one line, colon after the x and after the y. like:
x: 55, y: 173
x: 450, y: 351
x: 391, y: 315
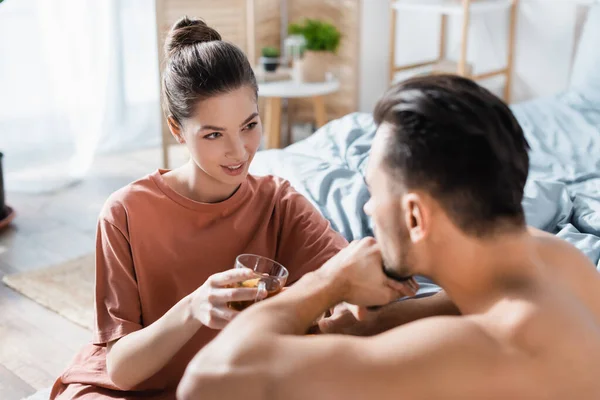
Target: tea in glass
x: 270, y: 276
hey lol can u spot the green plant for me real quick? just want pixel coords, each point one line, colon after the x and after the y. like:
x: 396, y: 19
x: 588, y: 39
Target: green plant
x: 319, y: 35
x: 271, y: 52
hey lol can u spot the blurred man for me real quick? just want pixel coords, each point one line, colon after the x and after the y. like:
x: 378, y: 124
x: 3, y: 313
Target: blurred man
x: 446, y: 174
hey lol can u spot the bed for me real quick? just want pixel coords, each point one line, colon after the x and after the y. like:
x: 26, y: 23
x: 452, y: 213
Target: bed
x: 562, y: 195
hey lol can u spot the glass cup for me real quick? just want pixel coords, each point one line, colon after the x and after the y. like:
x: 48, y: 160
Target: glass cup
x: 270, y: 276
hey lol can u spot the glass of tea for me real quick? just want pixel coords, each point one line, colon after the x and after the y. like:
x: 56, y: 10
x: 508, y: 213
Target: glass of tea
x: 270, y: 276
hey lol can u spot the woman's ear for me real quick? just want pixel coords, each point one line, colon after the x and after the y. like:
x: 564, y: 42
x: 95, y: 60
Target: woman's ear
x: 175, y: 129
x: 416, y: 216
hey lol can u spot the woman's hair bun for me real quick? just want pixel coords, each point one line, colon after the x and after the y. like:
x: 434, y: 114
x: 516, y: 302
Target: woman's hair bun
x: 187, y: 32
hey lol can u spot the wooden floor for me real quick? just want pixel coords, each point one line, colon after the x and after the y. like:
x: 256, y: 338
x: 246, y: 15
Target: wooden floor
x: 36, y: 344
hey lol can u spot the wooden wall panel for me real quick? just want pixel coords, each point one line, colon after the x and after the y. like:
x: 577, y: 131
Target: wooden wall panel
x: 228, y: 17
x: 268, y: 24
x: 267, y: 32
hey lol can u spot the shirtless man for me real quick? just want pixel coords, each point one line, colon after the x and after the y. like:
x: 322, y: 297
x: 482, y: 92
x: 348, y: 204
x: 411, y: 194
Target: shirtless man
x: 446, y: 174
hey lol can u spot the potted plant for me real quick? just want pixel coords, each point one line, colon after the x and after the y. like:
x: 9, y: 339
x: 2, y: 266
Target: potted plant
x: 322, y: 42
x: 270, y: 58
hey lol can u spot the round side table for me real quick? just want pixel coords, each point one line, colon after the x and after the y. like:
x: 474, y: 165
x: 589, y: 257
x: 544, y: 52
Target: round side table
x: 273, y: 92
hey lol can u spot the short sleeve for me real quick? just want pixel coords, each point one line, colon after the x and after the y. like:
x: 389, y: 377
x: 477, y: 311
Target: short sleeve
x: 117, y: 300
x: 306, y: 238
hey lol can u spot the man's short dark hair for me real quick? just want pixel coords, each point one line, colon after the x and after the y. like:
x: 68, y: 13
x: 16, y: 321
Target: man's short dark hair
x: 463, y: 145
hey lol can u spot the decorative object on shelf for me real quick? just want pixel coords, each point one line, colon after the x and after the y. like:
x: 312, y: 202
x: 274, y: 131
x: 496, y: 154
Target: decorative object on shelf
x: 270, y: 58
x: 322, y: 42
x: 294, y: 47
x: 282, y: 74
x: 464, y: 9
x: 7, y: 214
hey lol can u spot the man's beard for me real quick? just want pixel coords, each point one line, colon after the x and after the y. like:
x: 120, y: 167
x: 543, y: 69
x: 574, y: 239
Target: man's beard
x: 399, y: 271
x: 393, y: 273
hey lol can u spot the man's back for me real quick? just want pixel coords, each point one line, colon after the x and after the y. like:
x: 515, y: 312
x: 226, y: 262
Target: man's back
x: 564, y: 264
x: 552, y: 324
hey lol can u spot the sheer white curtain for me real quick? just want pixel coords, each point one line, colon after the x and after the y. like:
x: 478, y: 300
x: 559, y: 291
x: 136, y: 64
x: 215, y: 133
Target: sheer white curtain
x: 77, y: 77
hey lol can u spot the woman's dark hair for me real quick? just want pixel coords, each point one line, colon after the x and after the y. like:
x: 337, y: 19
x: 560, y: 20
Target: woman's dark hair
x: 200, y: 65
x: 462, y: 144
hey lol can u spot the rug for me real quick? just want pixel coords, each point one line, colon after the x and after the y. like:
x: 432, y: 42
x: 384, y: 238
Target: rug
x: 67, y: 288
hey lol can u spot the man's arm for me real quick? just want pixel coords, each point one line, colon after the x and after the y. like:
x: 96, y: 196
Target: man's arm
x: 367, y: 323
x: 353, y: 270
x: 257, y: 356
x: 440, y: 357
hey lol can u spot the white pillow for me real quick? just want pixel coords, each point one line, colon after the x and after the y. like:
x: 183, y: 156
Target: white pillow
x: 586, y: 66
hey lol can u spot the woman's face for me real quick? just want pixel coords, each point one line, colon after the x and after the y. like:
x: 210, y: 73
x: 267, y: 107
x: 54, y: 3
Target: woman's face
x: 224, y: 134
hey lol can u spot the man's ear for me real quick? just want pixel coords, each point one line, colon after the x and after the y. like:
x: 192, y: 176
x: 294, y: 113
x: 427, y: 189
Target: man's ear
x: 416, y: 216
x: 175, y: 130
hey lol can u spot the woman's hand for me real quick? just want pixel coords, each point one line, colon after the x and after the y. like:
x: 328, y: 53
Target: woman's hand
x: 209, y: 303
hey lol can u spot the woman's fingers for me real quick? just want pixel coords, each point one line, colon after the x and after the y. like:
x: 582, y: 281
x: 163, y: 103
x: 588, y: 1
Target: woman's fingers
x: 226, y: 295
x: 215, y: 322
x: 223, y: 312
x: 222, y: 279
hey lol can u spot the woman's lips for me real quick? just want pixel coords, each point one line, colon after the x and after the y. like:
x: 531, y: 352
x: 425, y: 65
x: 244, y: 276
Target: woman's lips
x: 234, y: 169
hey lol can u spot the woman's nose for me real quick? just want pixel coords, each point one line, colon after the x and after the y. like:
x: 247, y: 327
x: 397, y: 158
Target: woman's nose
x: 237, y: 149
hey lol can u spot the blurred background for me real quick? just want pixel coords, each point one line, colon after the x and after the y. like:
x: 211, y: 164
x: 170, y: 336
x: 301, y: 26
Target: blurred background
x: 81, y: 78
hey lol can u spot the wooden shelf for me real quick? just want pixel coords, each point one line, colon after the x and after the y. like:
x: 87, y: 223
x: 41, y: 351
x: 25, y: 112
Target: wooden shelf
x: 466, y: 9
x: 451, y: 7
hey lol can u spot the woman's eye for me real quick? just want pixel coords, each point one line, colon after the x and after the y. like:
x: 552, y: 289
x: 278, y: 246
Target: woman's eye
x: 213, y: 135
x: 251, y: 126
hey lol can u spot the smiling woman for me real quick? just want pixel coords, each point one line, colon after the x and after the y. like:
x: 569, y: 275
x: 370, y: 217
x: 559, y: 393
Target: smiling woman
x: 167, y: 243
x: 222, y: 135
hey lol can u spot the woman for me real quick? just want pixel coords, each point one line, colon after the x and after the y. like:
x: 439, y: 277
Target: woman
x: 167, y: 242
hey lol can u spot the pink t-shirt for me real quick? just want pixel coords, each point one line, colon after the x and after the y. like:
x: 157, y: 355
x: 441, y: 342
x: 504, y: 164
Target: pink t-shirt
x: 155, y: 247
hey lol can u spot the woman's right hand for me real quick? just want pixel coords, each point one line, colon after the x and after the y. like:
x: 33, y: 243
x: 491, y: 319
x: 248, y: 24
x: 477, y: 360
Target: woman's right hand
x: 209, y: 301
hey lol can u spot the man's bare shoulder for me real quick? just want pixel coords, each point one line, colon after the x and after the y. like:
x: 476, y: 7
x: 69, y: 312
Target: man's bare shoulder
x: 559, y: 251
